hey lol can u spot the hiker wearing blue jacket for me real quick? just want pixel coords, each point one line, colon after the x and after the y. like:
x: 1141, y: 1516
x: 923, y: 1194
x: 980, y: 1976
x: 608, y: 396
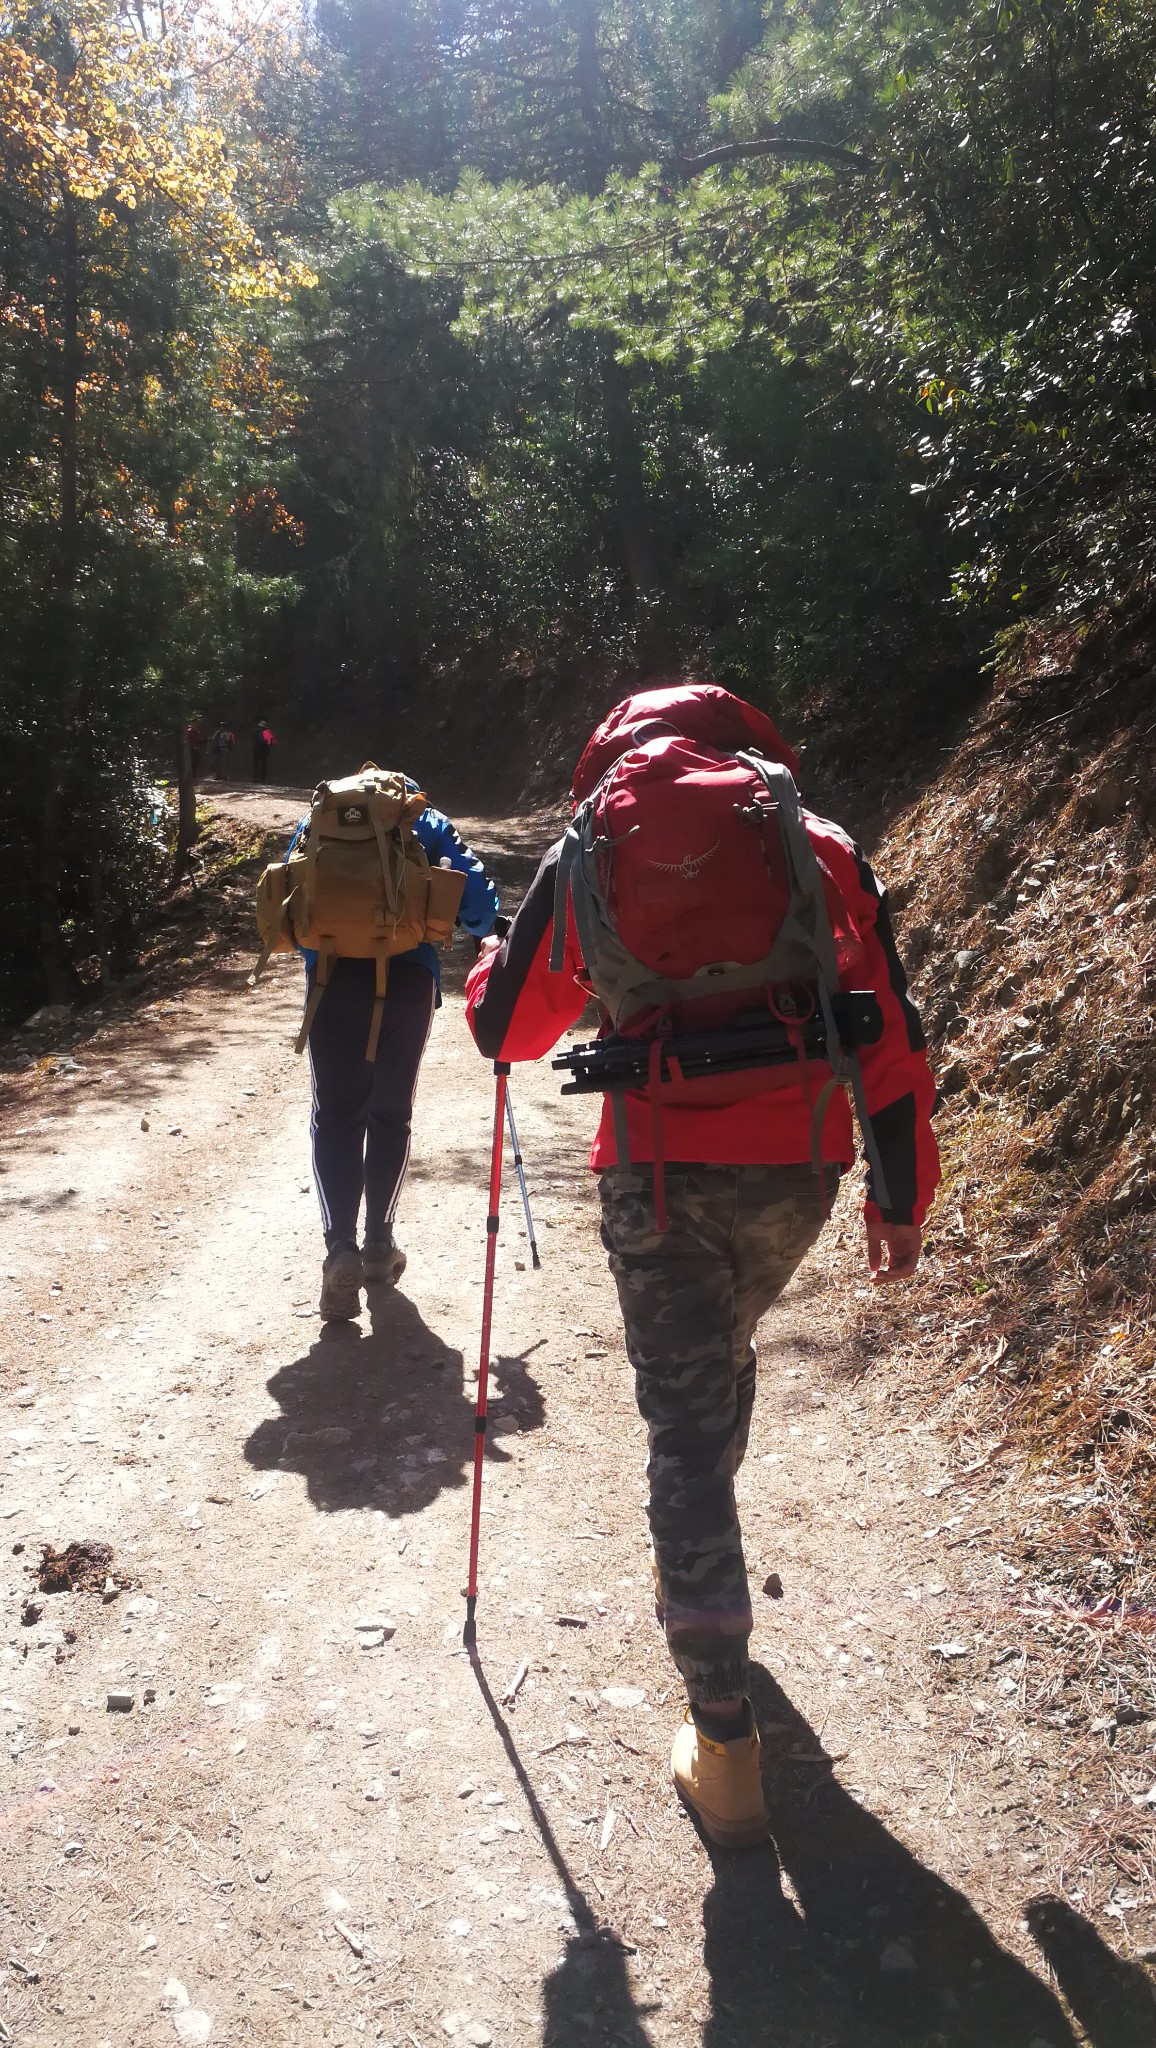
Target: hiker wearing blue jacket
x: 363, y: 1110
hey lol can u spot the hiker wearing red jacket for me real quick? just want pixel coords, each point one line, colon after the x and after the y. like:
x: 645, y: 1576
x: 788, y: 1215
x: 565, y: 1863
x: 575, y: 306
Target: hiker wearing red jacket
x: 714, y: 1189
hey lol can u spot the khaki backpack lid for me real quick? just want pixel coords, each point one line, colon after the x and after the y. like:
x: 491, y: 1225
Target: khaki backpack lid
x: 346, y: 809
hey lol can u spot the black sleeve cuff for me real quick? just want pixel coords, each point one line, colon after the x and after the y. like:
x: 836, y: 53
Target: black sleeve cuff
x: 893, y: 1130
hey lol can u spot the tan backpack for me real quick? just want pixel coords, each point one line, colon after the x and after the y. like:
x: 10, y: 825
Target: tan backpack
x: 357, y: 886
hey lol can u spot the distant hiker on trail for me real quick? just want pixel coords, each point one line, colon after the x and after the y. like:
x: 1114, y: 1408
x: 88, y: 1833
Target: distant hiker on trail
x: 373, y: 882
x: 742, y: 955
x: 264, y: 741
x: 195, y: 738
x: 220, y: 747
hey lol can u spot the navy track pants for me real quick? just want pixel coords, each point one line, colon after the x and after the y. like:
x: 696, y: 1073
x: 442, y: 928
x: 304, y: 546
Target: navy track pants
x: 362, y: 1111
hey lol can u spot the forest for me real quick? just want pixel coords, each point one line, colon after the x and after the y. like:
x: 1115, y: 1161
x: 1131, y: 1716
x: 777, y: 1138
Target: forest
x: 810, y: 346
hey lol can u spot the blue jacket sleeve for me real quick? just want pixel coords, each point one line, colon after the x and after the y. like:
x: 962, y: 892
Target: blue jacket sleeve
x: 479, y: 905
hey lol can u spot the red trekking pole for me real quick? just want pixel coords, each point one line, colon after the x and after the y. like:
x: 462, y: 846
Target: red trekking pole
x: 501, y: 1070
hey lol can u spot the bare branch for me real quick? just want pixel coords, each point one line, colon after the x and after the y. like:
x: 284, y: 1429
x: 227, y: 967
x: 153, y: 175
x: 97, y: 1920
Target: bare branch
x: 774, y: 145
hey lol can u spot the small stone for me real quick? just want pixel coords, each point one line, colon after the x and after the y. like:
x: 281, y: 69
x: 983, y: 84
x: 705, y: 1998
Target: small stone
x: 459, y: 1929
x: 148, y: 1943
x: 375, y: 1790
x: 948, y: 1652
x: 417, y: 1738
x: 623, y: 1696
x: 895, y: 1959
x: 466, y: 1790
x: 371, y: 1638
x: 144, y: 1123
x: 493, y: 1798
x: 773, y: 1586
x: 378, y: 1626
x: 72, y: 1849
x: 478, y: 2034
x: 192, y: 2027
x: 119, y: 1703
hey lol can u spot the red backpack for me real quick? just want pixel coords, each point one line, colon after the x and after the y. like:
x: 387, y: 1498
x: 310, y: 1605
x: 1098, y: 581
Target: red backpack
x: 704, y: 913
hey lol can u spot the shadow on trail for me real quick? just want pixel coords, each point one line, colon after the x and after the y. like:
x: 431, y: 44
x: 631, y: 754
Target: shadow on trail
x: 809, y: 1975
x: 1114, y: 2000
x: 812, y: 1974
x: 587, y: 1999
x: 382, y: 1418
x: 882, y: 1953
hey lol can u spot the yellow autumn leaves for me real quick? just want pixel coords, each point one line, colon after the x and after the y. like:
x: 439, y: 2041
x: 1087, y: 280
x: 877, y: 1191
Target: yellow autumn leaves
x: 128, y: 112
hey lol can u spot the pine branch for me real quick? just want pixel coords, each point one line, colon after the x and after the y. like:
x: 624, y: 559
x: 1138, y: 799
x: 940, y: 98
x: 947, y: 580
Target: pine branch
x: 774, y: 145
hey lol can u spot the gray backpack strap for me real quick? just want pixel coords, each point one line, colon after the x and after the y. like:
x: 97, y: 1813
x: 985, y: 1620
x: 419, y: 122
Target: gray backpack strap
x: 812, y: 924
x: 567, y: 854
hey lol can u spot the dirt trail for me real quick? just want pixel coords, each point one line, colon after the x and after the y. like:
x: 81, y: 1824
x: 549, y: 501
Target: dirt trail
x: 303, y: 1833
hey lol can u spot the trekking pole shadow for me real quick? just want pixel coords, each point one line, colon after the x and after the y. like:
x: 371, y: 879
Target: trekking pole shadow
x: 1114, y: 2000
x: 882, y: 1954
x: 586, y: 1999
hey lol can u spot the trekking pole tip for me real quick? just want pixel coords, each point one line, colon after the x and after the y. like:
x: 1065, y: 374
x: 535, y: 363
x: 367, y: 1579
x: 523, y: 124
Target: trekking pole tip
x: 470, y: 1631
x: 534, y: 1259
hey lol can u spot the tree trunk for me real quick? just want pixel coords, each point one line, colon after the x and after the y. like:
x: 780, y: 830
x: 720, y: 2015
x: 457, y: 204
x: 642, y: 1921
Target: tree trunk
x: 54, y: 962
x: 635, y: 532
x: 187, y: 828
x: 630, y: 490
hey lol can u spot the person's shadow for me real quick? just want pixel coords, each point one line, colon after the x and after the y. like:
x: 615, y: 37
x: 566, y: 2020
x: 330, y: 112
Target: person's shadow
x: 381, y: 1417
x: 869, y: 1950
x: 896, y: 1956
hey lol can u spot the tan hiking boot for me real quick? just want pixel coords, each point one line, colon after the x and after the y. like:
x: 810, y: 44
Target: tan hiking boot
x: 382, y: 1263
x: 340, y: 1287
x: 722, y: 1782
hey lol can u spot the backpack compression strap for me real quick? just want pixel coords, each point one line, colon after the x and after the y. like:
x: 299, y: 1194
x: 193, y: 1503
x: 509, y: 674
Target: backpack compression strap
x: 392, y: 855
x: 265, y: 955
x: 320, y: 984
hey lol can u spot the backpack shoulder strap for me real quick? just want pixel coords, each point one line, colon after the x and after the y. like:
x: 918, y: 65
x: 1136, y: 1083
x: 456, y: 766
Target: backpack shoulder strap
x: 812, y: 923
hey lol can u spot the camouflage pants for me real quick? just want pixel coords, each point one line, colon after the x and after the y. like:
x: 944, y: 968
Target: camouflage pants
x: 691, y: 1298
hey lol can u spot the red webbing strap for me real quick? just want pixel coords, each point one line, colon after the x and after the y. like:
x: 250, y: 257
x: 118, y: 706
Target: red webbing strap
x: 654, y: 1090
x: 501, y: 1070
x: 816, y: 1112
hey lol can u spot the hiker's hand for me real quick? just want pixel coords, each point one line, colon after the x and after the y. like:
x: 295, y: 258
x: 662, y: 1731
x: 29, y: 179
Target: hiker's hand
x: 903, y: 1241
x: 486, y: 946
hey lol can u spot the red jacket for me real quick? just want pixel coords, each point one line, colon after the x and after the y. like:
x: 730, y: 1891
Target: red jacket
x: 518, y: 1010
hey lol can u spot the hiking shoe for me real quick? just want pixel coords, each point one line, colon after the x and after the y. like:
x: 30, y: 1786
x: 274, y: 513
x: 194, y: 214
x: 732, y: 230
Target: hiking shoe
x: 382, y: 1263
x: 340, y: 1287
x: 722, y: 1783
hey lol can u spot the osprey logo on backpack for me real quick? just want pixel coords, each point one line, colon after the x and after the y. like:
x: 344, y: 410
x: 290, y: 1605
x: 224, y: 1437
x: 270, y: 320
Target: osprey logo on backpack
x: 354, y: 814
x: 689, y: 868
